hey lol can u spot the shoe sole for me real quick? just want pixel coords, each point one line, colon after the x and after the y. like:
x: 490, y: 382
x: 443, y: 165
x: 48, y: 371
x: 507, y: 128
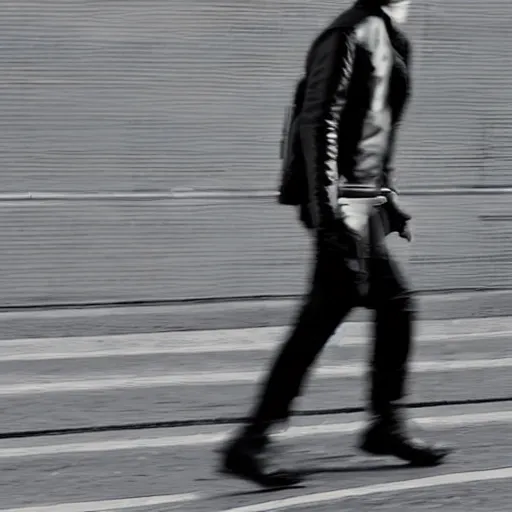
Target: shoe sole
x: 248, y: 478
x: 437, y: 461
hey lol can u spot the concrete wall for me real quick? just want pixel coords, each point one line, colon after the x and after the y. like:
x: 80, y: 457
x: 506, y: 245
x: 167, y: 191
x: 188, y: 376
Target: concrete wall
x: 109, y: 109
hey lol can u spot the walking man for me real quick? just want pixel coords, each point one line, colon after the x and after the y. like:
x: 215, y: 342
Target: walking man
x: 355, y: 90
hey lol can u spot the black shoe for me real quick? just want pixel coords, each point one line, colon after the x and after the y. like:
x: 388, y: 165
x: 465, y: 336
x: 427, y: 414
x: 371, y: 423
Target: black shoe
x: 244, y: 459
x: 383, y: 438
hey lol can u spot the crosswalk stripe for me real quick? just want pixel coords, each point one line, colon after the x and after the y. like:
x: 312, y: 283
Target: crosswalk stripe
x: 109, y: 505
x: 224, y: 378
x: 306, y: 500
x: 243, y: 340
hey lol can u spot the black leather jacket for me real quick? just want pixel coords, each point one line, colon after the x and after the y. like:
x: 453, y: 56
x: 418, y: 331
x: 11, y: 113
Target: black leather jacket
x: 357, y: 85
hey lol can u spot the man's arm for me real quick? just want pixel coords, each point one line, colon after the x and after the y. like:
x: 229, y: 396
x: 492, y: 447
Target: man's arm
x: 403, y: 50
x: 325, y: 97
x: 395, y: 218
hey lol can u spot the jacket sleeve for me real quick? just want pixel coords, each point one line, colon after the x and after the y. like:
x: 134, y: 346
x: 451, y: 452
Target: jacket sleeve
x: 389, y: 173
x: 403, y: 49
x: 328, y: 78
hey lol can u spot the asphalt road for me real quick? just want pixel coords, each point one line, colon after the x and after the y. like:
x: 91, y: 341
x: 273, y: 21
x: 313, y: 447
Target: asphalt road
x: 178, y: 382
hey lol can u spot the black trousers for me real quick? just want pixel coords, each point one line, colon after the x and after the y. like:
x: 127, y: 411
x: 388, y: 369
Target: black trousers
x: 347, y: 274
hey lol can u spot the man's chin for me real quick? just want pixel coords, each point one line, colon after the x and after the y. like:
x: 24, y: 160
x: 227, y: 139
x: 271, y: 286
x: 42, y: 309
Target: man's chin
x: 397, y: 10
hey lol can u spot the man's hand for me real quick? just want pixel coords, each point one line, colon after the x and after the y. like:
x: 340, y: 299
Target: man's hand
x: 406, y: 233
x: 397, y: 218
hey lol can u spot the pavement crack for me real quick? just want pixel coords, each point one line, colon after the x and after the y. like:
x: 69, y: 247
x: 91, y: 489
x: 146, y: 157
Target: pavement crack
x: 206, y: 422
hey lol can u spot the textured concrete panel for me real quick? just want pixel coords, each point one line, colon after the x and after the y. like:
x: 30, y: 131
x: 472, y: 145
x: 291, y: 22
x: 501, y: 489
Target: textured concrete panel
x: 158, y: 94
x: 75, y: 252
x: 139, y: 95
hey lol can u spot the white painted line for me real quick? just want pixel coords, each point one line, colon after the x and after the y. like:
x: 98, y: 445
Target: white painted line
x: 286, y: 503
x: 225, y: 378
x: 104, y: 506
x: 369, y: 490
x: 243, y: 340
x: 159, y: 340
x: 194, y: 440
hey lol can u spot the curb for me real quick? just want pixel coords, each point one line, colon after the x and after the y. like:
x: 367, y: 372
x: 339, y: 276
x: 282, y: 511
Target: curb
x: 228, y: 315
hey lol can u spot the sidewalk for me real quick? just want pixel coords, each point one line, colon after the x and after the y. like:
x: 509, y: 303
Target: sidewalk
x: 490, y: 309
